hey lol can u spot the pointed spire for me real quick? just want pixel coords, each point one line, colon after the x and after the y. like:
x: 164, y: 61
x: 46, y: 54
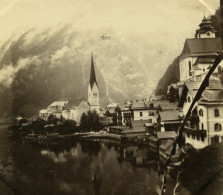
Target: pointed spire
x: 92, y: 73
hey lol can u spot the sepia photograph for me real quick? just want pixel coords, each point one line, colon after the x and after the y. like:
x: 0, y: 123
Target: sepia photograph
x: 111, y: 97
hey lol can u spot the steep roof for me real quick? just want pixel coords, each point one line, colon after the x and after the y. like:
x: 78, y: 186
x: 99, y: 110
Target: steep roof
x: 201, y: 47
x: 73, y: 103
x: 92, y: 73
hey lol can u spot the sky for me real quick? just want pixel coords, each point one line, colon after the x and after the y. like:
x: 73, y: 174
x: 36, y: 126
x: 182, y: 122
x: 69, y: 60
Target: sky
x: 124, y: 16
x: 167, y: 23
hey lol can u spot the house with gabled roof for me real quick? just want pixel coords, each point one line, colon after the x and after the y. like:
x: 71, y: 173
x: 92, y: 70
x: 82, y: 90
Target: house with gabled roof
x: 74, y: 109
x: 205, y: 125
x: 56, y: 108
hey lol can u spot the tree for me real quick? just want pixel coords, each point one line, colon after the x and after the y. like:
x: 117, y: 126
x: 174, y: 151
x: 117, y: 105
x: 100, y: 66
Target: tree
x: 52, y: 119
x: 83, y: 122
x: 90, y: 121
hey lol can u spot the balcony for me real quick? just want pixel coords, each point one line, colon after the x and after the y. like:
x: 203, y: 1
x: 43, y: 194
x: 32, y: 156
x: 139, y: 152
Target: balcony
x: 198, y: 134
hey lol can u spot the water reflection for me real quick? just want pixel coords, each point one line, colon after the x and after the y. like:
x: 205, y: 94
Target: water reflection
x: 85, y: 167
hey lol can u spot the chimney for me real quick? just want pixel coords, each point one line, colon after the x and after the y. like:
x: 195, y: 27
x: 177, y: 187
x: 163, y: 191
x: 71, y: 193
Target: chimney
x: 221, y: 20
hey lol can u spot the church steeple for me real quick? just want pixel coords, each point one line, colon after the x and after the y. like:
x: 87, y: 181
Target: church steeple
x: 92, y: 73
x: 93, y: 91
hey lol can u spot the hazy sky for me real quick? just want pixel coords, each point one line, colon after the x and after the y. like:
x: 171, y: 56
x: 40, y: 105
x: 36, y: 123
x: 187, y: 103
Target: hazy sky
x: 178, y: 17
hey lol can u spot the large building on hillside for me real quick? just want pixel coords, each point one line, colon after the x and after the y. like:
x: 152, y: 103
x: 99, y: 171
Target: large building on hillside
x: 200, y: 52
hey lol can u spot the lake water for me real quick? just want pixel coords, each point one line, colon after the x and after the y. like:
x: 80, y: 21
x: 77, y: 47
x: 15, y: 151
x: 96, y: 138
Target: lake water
x: 80, y: 167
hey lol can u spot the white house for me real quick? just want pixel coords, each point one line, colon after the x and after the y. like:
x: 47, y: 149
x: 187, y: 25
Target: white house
x: 142, y: 111
x: 56, y: 108
x: 209, y: 111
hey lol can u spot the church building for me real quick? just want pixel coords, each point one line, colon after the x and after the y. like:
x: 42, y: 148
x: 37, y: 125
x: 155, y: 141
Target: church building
x: 200, y: 52
x: 93, y: 91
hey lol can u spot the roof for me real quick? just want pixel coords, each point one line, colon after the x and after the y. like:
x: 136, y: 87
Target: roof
x: 202, y: 46
x: 134, y: 130
x: 165, y: 104
x: 170, y: 115
x: 192, y: 85
x: 214, y: 83
x: 149, y: 124
x: 139, y: 123
x: 43, y: 111
x: 167, y: 134
x: 212, y: 96
x: 92, y: 73
x: 166, y: 144
x: 73, y: 103
x: 58, y: 103
x: 205, y: 60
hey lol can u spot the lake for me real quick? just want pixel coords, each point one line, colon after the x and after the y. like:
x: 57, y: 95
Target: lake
x: 79, y: 167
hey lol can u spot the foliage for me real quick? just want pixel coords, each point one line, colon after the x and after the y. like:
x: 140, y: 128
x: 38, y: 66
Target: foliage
x: 90, y: 121
x: 201, y: 169
x: 52, y: 119
x: 68, y: 127
x: 173, y: 94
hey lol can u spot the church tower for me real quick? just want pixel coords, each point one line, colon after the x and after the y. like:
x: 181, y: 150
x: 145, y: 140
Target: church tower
x: 93, y: 91
x: 206, y: 29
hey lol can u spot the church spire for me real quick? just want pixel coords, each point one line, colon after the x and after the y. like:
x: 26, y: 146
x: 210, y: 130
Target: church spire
x: 92, y: 73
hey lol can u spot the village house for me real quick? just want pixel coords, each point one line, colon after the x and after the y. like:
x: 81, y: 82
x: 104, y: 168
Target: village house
x: 170, y: 120
x: 56, y: 108
x: 142, y: 111
x: 204, y: 126
x: 126, y: 113
x: 43, y: 114
x: 112, y: 114
x: 74, y: 109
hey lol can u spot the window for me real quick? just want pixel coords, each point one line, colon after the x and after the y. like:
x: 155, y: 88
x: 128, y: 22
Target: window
x: 202, y: 126
x: 190, y: 73
x: 201, y: 113
x: 140, y: 113
x: 95, y: 94
x: 217, y: 127
x: 216, y: 112
x: 188, y: 99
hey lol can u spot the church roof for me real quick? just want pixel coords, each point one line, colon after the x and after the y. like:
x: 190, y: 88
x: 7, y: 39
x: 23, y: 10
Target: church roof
x: 201, y: 47
x: 92, y: 73
x: 73, y: 103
